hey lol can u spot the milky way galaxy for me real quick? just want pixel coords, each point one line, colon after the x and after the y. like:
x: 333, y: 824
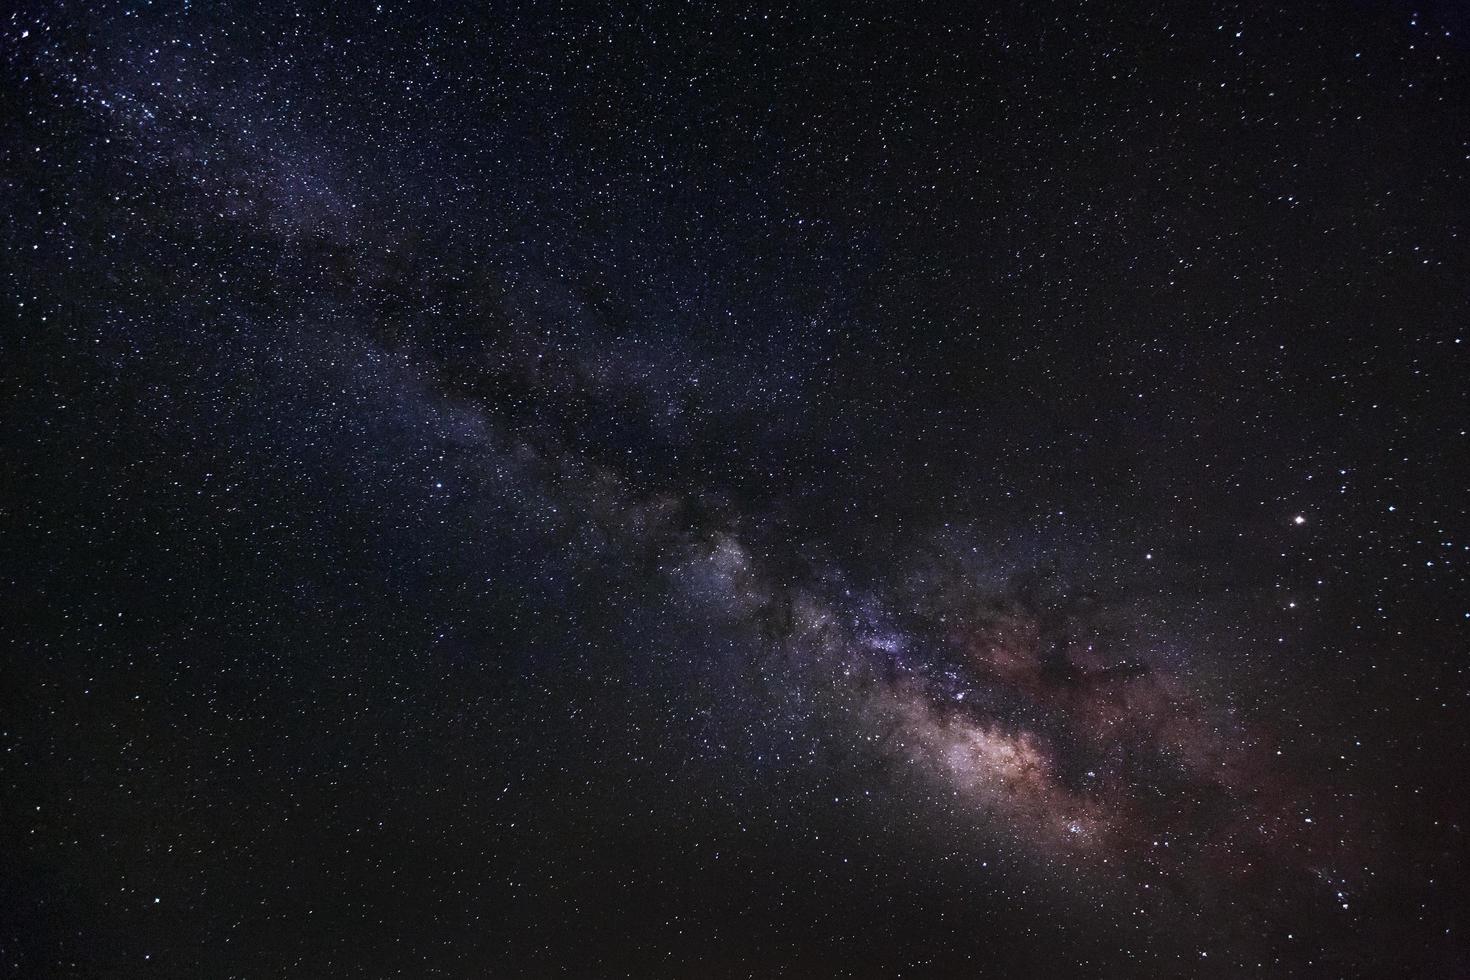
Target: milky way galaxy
x: 525, y: 490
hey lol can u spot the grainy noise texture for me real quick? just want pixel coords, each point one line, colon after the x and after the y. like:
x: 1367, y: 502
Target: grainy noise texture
x: 541, y: 490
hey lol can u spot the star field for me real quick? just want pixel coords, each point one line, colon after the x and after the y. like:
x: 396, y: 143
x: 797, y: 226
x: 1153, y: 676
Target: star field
x: 734, y: 491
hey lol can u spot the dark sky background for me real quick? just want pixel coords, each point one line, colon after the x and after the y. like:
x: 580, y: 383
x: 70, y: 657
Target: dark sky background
x: 731, y: 491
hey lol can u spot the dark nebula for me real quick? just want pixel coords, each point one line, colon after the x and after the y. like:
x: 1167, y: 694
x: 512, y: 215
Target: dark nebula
x: 724, y: 491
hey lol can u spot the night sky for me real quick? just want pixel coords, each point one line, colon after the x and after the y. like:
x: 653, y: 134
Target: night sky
x: 728, y: 491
